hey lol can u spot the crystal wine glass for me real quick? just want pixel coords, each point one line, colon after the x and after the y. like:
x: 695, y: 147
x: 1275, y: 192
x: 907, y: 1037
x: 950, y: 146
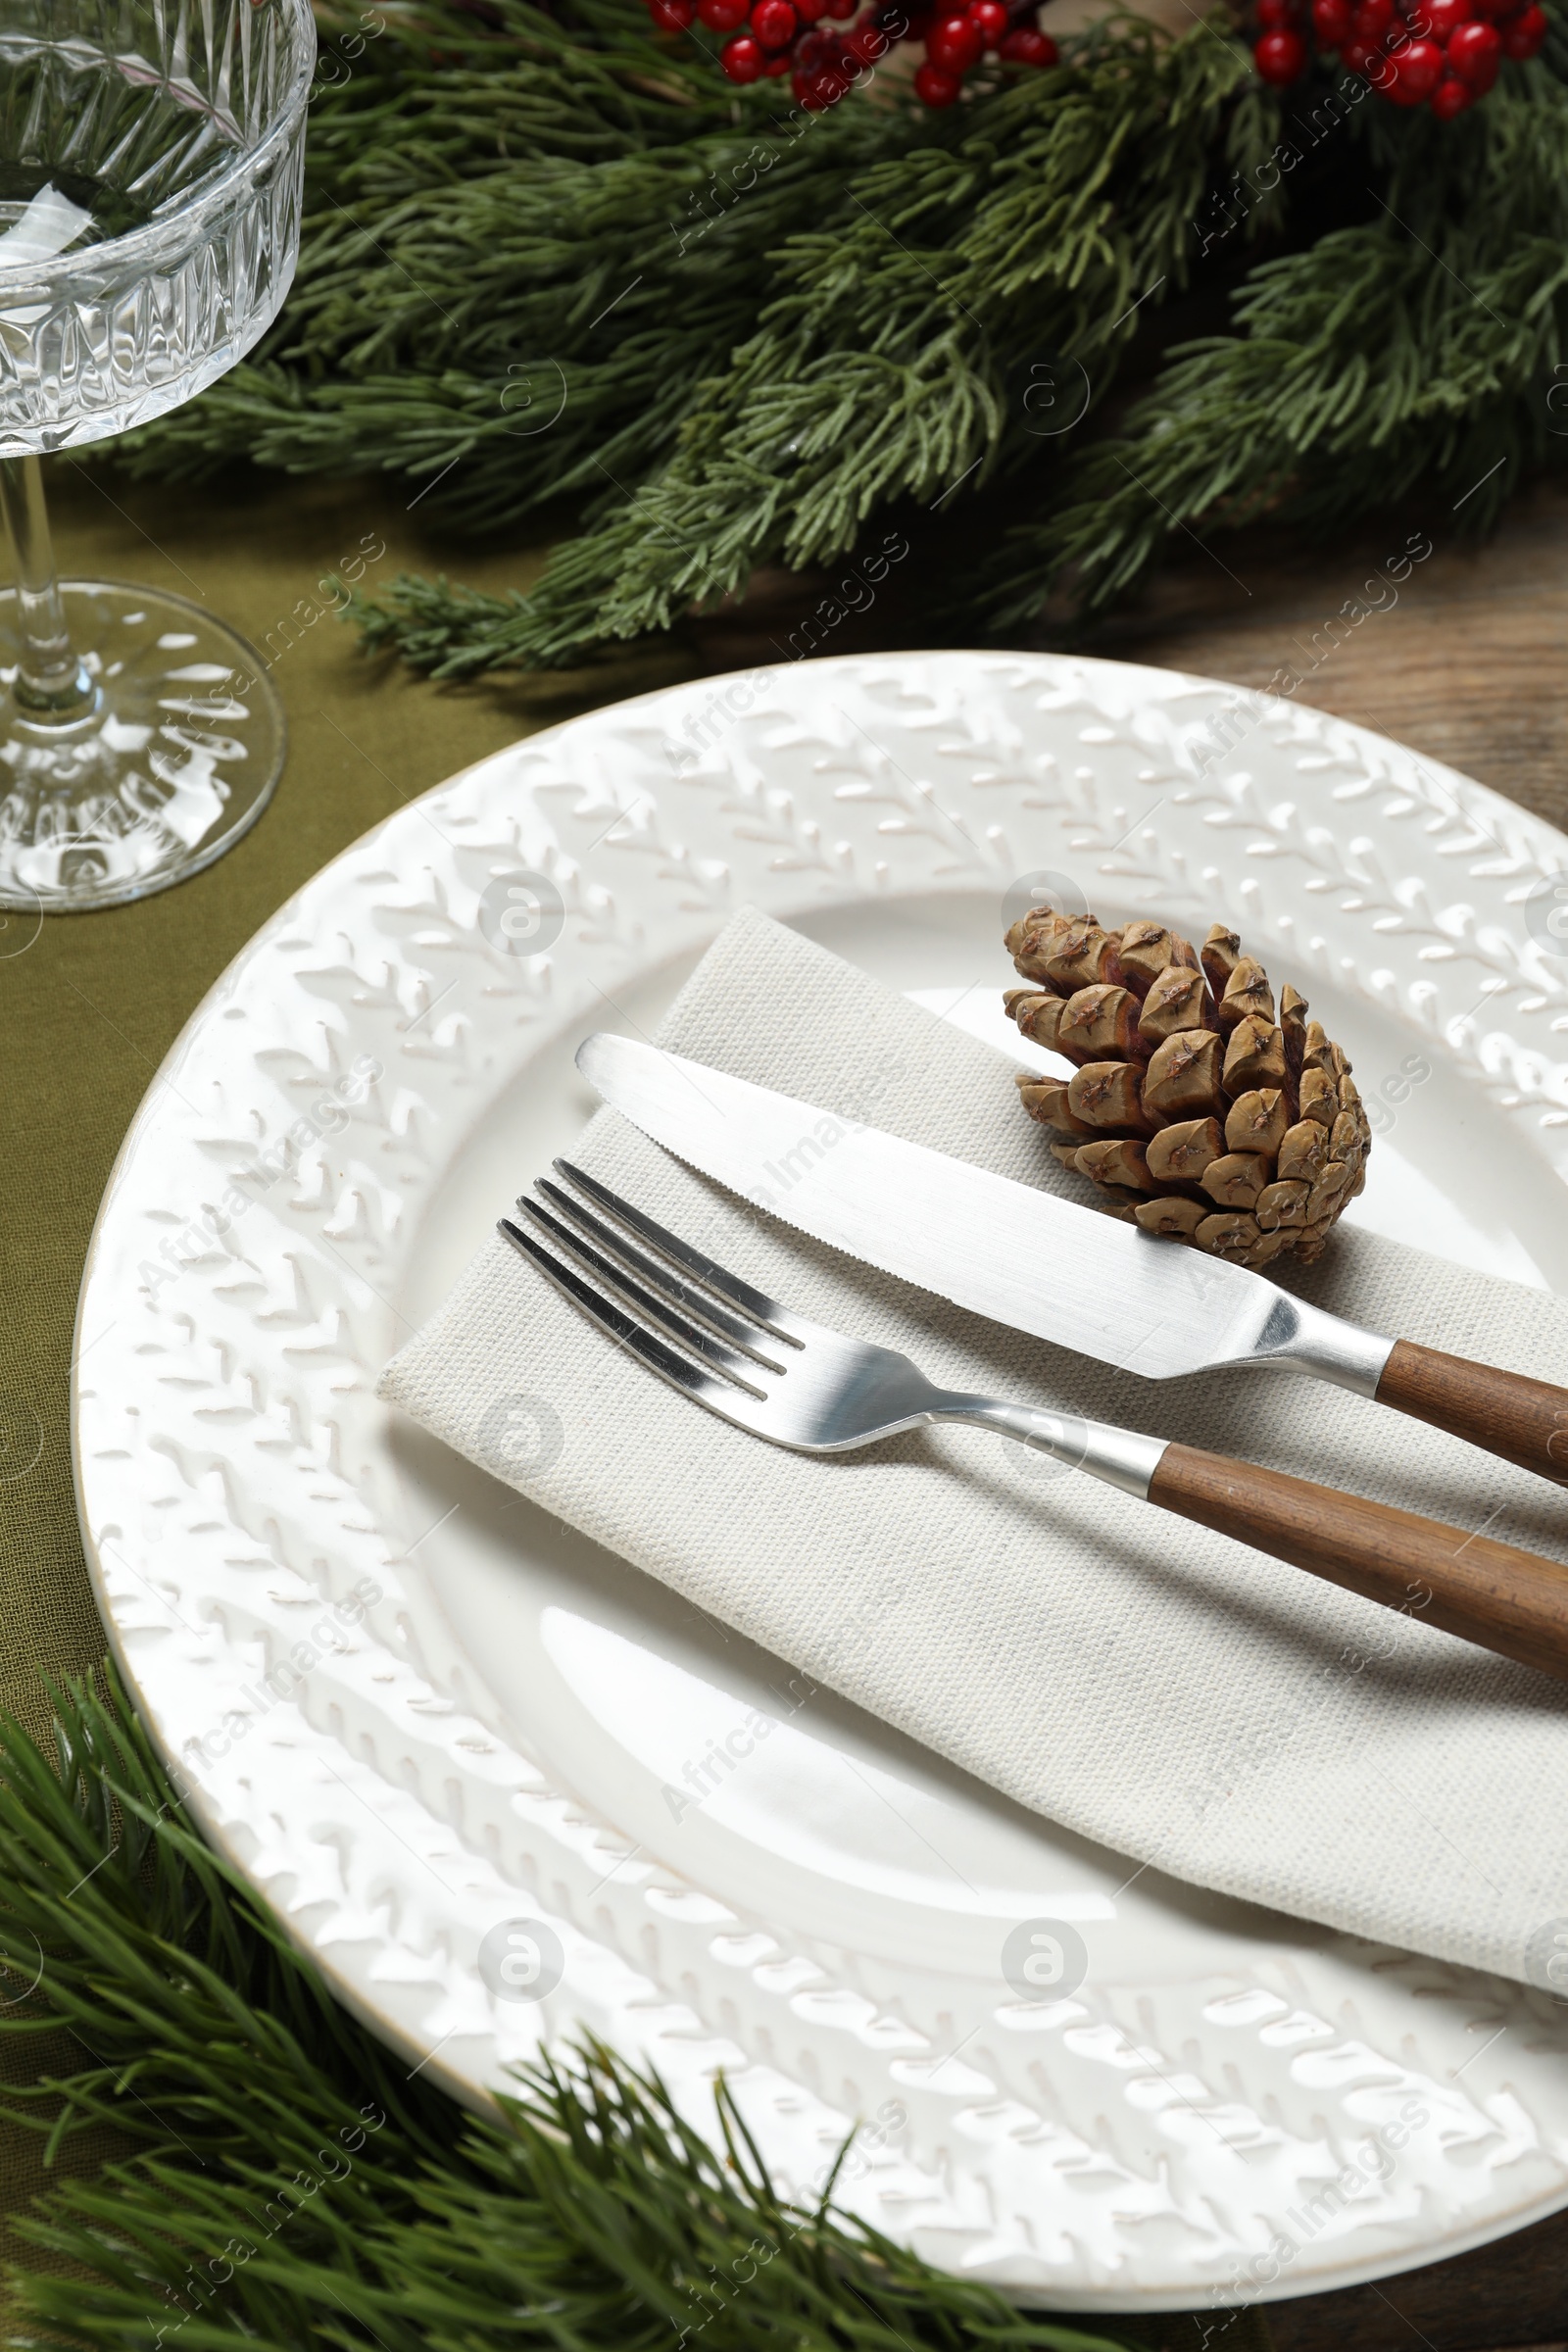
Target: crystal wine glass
x: 151, y: 159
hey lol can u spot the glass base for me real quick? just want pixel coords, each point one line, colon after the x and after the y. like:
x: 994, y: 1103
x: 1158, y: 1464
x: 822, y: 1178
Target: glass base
x: 174, y: 752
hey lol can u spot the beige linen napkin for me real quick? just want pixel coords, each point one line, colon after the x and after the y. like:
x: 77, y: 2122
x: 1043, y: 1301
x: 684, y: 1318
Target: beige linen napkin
x: 1152, y: 1685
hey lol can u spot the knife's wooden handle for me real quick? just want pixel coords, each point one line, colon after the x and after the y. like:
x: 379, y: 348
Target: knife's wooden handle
x: 1526, y: 1421
x: 1508, y: 1601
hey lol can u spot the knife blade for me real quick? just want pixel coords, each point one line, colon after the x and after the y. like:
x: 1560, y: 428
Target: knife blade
x: 1002, y: 1249
x: 1064, y: 1273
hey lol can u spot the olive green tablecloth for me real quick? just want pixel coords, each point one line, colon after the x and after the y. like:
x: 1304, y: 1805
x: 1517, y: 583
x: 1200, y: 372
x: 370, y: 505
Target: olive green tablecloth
x: 90, y: 1008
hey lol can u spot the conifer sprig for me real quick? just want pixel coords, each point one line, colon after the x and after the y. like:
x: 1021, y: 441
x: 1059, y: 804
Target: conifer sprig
x: 1417, y: 350
x: 287, y: 2183
x: 536, y: 313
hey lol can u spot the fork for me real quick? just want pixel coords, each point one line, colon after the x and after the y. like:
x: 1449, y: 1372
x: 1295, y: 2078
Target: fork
x: 763, y: 1368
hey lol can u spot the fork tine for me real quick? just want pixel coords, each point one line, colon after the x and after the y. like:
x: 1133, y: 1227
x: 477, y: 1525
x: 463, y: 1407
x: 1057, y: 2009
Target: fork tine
x: 684, y: 1295
x: 714, y: 1352
x: 761, y: 1308
x: 619, y: 1325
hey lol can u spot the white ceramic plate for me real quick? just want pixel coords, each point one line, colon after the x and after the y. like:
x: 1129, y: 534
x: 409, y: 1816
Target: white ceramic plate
x: 1234, y: 2105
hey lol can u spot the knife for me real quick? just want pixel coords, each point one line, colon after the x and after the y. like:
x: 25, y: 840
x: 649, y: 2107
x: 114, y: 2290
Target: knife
x: 1045, y: 1265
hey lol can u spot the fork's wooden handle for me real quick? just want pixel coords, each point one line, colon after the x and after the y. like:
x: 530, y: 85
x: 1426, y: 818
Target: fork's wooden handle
x: 1508, y: 1601
x: 1526, y: 1421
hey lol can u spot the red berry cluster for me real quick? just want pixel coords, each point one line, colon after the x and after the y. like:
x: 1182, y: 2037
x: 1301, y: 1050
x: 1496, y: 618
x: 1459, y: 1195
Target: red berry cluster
x: 1439, y: 53
x: 771, y: 37
x: 958, y: 37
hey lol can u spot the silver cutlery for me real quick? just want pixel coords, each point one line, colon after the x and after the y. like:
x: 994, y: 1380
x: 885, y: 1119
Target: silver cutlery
x: 1047, y: 1265
x: 770, y: 1371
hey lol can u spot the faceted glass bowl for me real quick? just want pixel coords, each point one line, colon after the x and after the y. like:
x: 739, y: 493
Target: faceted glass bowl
x: 184, y: 127
x: 151, y: 171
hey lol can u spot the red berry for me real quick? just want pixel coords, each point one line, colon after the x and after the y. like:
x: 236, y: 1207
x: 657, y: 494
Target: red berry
x: 1279, y: 57
x: 954, y: 44
x: 1357, y: 57
x: 865, y: 45
x: 741, y: 59
x: 722, y: 16
x: 933, y: 87
x: 673, y: 16
x: 1444, y: 16
x: 993, y: 20
x: 807, y: 9
x: 1027, y: 47
x: 773, y: 23
x: 1372, y: 20
x: 1524, y: 35
x: 1276, y: 16
x: 1331, y: 22
x: 1418, y: 70
x: 1450, y: 98
x: 1387, y: 72
x: 1475, y: 52
x: 841, y: 8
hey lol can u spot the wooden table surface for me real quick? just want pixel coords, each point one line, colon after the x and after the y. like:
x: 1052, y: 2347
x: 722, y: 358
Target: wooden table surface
x: 1469, y: 665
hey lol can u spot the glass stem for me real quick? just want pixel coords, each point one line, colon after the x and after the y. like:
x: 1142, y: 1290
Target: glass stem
x: 52, y: 686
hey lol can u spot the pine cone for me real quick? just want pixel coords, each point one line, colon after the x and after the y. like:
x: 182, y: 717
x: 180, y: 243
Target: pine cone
x: 1197, y: 1109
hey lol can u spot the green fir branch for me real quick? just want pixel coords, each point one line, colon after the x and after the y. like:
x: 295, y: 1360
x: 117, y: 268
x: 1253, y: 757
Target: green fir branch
x: 880, y: 371
x: 287, y: 2183
x: 1414, y: 353
x: 451, y: 91
x: 549, y: 256
x: 437, y: 328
